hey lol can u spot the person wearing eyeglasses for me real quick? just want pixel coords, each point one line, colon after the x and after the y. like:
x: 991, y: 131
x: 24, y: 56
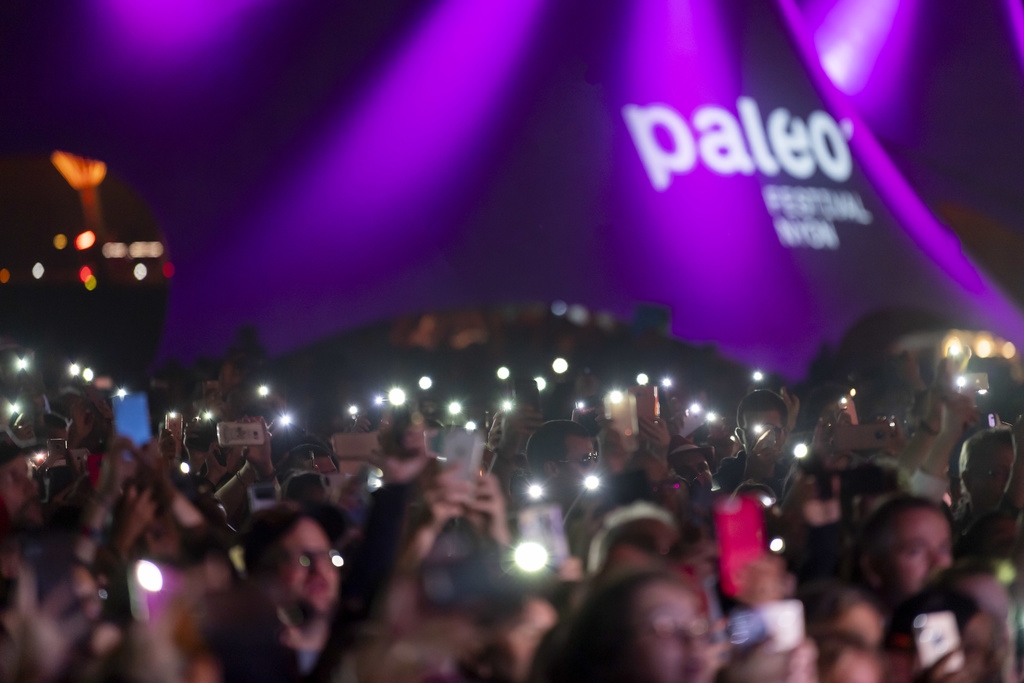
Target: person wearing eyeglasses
x: 561, y: 454
x: 289, y: 555
x: 761, y: 420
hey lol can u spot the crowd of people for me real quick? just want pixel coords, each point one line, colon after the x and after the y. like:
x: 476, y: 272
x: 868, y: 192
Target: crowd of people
x: 627, y: 538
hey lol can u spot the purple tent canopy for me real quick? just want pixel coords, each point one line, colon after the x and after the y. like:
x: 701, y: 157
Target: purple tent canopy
x: 318, y: 165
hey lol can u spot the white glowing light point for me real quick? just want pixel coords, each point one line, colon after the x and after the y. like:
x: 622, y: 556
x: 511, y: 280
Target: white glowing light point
x: 667, y: 382
x: 121, y: 393
x: 471, y: 426
x: 642, y: 379
x: 149, y: 577
x: 542, y: 383
x: 15, y: 408
x: 591, y: 482
x: 454, y: 408
x: 337, y: 561
x: 961, y: 381
x: 580, y: 405
x: 853, y: 393
x: 955, y: 347
x: 800, y: 450
x: 140, y: 271
x: 758, y: 375
x: 208, y: 415
x: 87, y: 374
x: 503, y: 373
x: 758, y: 429
x: 172, y: 414
x: 74, y: 370
x: 285, y: 419
x: 695, y: 409
x: 396, y: 397
x: 506, y: 405
x: 531, y: 557
x: 263, y: 390
x: 185, y: 468
x: 712, y: 417
x: 353, y: 410
x: 777, y: 545
x: 378, y: 400
x: 616, y: 396
x: 560, y: 365
x: 38, y: 270
x: 536, y: 491
x: 22, y: 363
x: 426, y: 383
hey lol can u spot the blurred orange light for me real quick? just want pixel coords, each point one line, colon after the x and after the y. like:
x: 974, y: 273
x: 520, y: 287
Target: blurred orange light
x: 81, y: 173
x: 5, y: 275
x: 85, y: 240
x: 60, y: 241
x: 168, y: 269
x: 85, y: 273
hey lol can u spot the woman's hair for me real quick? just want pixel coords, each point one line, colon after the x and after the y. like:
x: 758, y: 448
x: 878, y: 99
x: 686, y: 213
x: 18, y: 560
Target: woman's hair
x: 826, y: 600
x: 597, y: 643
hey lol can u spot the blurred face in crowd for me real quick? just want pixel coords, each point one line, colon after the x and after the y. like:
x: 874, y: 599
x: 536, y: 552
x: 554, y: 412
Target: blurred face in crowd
x: 20, y: 493
x: 854, y: 666
x: 986, y: 477
x: 921, y: 545
x: 670, y: 635
x: 863, y: 622
x: 577, y: 463
x: 305, y: 571
x: 519, y: 641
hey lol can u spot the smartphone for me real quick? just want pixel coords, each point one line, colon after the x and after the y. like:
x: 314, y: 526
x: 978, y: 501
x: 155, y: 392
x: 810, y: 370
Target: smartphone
x: 740, y: 528
x: 646, y: 401
x: 131, y: 418
x: 152, y: 588
x: 240, y: 434
x: 262, y: 495
x: 526, y: 393
x: 56, y: 450
x: 864, y: 437
x: 353, y: 450
x: 174, y: 424
x: 620, y: 409
x: 765, y: 441
x: 542, y: 524
x: 462, y: 451
x: 936, y: 635
x: 972, y: 381
x: 784, y: 624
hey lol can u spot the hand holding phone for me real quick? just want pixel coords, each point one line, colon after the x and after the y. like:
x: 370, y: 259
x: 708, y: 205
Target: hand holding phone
x: 620, y: 410
x: 131, y: 418
x: 740, y: 527
x: 936, y: 634
x: 542, y: 524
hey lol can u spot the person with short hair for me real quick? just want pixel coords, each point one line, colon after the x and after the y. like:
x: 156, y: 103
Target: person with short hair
x: 986, y: 463
x: 560, y: 455
x: 758, y: 412
x: 288, y: 554
x: 904, y: 543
